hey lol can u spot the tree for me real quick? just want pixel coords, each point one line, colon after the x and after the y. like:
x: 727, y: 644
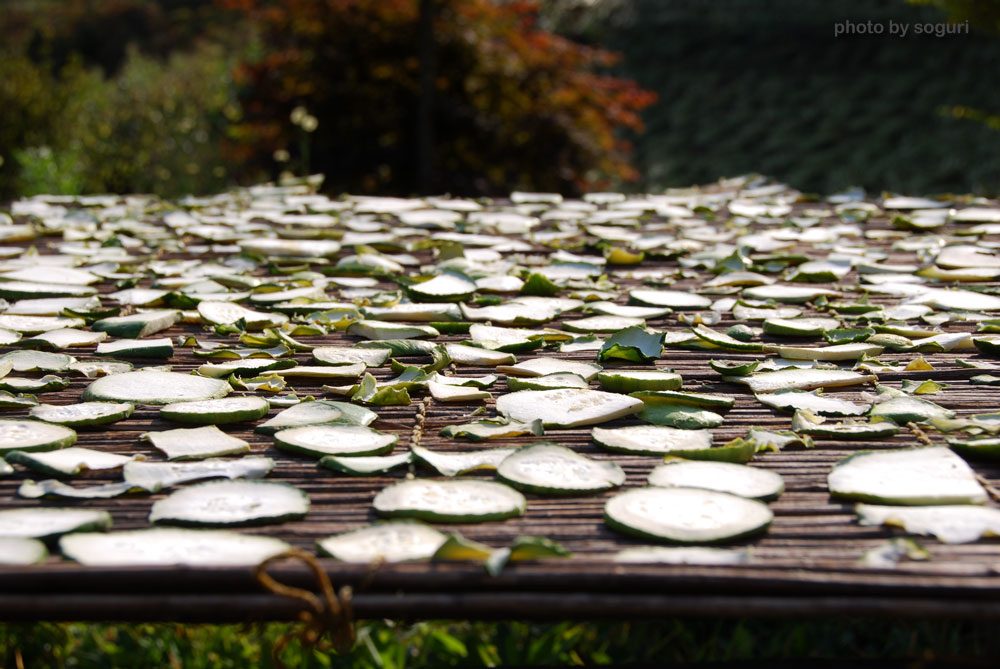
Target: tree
x: 337, y: 87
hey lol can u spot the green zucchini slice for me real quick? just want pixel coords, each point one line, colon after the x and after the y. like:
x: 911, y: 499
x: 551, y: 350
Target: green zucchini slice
x: 154, y: 387
x: 455, y: 464
x: 450, y: 501
x: 50, y: 522
x: 68, y: 461
x: 85, y: 414
x: 319, y: 440
x: 217, y: 412
x: 170, y: 546
x: 390, y: 541
x: 33, y: 435
x: 733, y: 478
x: 551, y: 469
x: 231, y: 504
x: 566, y: 407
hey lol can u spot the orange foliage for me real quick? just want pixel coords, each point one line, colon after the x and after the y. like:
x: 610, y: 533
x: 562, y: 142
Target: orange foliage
x: 514, y: 106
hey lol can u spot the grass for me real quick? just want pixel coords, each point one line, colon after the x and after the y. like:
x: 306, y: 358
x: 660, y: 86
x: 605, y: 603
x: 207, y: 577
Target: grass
x: 390, y: 645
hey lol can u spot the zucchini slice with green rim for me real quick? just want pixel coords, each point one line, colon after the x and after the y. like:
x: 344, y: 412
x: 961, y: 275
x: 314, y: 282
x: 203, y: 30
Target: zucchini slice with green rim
x: 231, y: 504
x: 566, y: 407
x: 33, y: 435
x: 547, y: 382
x: 455, y: 464
x: 217, y: 412
x: 800, y: 379
x: 733, y: 478
x: 814, y: 402
x: 68, y: 461
x: 317, y: 412
x: 684, y: 416
x: 545, y: 366
x: 318, y: 440
x: 85, y: 414
x: 170, y: 546
x: 631, y: 380
x: 686, y: 515
x: 389, y: 541
x: 551, y: 469
x: 652, y: 439
x: 345, y: 355
x: 21, y: 551
x: 913, y: 477
x: 950, y: 524
x: 365, y: 465
x: 138, y: 325
x: 450, y: 501
x: 195, y: 443
x: 154, y: 387
x: 50, y: 522
x: 137, y: 348
x: 155, y: 476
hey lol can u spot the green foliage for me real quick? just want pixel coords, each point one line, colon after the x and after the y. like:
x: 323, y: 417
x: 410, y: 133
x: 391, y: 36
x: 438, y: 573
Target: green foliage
x: 388, y: 645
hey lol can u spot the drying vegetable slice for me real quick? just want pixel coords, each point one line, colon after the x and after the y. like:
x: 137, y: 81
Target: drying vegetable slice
x: 170, y: 546
x: 627, y: 381
x: 723, y: 340
x: 546, y: 366
x: 390, y: 541
x: 981, y: 447
x: 137, y: 348
x: 800, y: 379
x: 196, y: 443
x: 633, y: 345
x: 31, y: 435
x: 154, y: 387
x: 50, y: 522
x: 547, y: 468
x: 216, y: 412
x: 83, y: 414
x: 365, y: 465
x: 682, y: 555
x: 227, y: 313
x: 951, y: 524
x: 389, y: 330
x: 444, y: 392
x: 904, y: 409
x: 454, y: 464
x: 446, y: 287
x: 17, y: 550
x: 137, y: 325
x: 913, y: 476
x: 67, y: 461
x: 814, y: 402
x: 155, y: 476
x: 38, y: 361
x: 492, y: 429
x: 728, y: 477
x: 673, y: 299
x: 834, y: 353
x: 450, y: 501
x: 652, y: 439
x: 567, y: 407
x: 547, y: 382
x: 343, y: 355
x: 317, y: 412
x: 471, y: 355
x: 686, y: 515
x: 319, y: 440
x: 685, y: 416
x: 231, y: 503
x: 800, y: 327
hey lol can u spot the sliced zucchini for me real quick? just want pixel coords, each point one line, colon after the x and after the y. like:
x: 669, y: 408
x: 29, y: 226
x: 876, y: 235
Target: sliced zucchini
x: 94, y: 368
x: 56, y: 488
x: 652, y: 440
x: 546, y: 366
x: 227, y: 313
x: 492, y: 429
x: 156, y: 476
x: 814, y: 402
x: 684, y: 416
x: 37, y: 361
x: 317, y: 412
x: 723, y: 340
x: 196, y: 443
x: 390, y: 541
x: 444, y: 392
x: 672, y: 299
x: 912, y: 476
x: 170, y: 546
x: 551, y: 469
x: 909, y: 409
x: 319, y: 440
x: 686, y: 515
x: 47, y: 523
x: 138, y: 325
x: 230, y: 504
x: 137, y: 348
x: 154, y: 387
x: 682, y: 555
x: 735, y: 479
x: 446, y: 287
x: 64, y: 338
x: 369, y: 465
x: 217, y: 412
x: 602, y: 324
x: 567, y: 407
x: 455, y: 464
x: 800, y: 379
x: 836, y: 352
x: 85, y: 414
x: 627, y: 381
x: 21, y: 551
x: 547, y: 382
x: 388, y: 330
x: 633, y: 345
x: 246, y: 367
x: 450, y: 501
x: 480, y: 357
x: 707, y: 400
x: 800, y: 327
x: 67, y: 461
x: 950, y: 524
x: 344, y: 355
x: 32, y: 435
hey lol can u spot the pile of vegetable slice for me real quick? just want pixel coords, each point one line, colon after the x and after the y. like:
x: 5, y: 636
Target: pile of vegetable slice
x: 668, y: 371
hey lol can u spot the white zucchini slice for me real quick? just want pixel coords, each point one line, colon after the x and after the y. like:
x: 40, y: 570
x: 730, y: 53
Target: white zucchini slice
x: 652, y: 439
x: 56, y: 488
x: 833, y: 353
x: 137, y: 348
x: 451, y: 501
x: 227, y: 313
x: 567, y: 407
x: 686, y: 515
x: 319, y: 440
x: 38, y: 361
x: 21, y: 551
x: 673, y: 299
x: 32, y: 435
x: 170, y: 546
x: 546, y: 468
x: 94, y: 368
x: 155, y: 476
x: 602, y: 324
x: 800, y: 379
x: 217, y: 412
x: 391, y: 541
x: 345, y: 355
x: 196, y: 443
x: 480, y: 357
x: 83, y: 414
x: 446, y: 392
x: 912, y: 476
x: 547, y: 382
x: 800, y: 327
x: 546, y: 366
x: 50, y: 522
x: 64, y: 338
x: 37, y: 324
x: 814, y: 402
x: 446, y: 287
x: 68, y: 461
x: 154, y: 387
x: 231, y: 503
x: 317, y: 412
x: 454, y: 464
x: 728, y: 477
x: 675, y: 414
x: 365, y: 465
x: 379, y: 330
x: 788, y: 294
x: 950, y: 524
x: 245, y: 367
x: 630, y: 380
x: 682, y: 555
x: 138, y: 325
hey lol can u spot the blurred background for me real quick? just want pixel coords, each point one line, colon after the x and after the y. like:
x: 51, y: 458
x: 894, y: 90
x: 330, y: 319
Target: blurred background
x: 480, y: 97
